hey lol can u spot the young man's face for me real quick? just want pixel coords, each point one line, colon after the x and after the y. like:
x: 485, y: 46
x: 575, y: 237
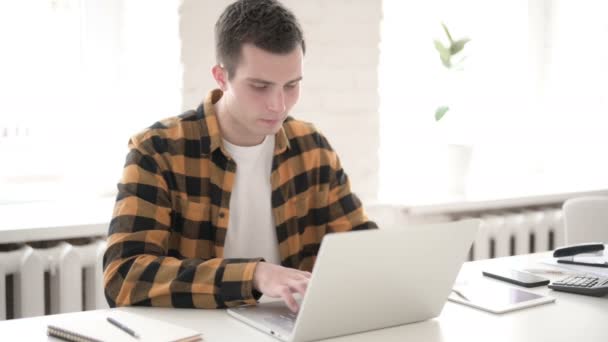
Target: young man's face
x: 263, y: 89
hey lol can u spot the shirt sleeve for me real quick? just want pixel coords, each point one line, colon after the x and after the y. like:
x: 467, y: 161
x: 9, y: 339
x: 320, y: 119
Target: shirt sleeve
x: 345, y: 209
x: 137, y: 267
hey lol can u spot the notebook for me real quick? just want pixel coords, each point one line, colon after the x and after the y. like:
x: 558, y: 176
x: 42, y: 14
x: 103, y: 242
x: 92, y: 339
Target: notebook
x: 93, y: 326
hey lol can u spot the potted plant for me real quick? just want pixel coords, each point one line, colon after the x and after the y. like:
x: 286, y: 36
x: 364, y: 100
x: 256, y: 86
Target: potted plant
x: 458, y: 153
x: 451, y: 58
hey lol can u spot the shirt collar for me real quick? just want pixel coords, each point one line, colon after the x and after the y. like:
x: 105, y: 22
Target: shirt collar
x: 215, y: 136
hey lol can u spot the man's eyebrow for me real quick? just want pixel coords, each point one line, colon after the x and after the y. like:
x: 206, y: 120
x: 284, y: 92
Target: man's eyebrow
x: 295, y: 80
x: 259, y: 80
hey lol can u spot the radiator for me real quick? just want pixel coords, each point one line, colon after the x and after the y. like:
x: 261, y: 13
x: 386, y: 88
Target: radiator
x: 63, y: 278
x: 518, y: 232
x: 502, y: 233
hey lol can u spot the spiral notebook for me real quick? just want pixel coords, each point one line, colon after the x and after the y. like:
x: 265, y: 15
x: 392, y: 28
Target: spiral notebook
x: 93, y: 326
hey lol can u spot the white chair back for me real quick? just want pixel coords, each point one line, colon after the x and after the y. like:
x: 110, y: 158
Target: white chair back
x: 586, y: 219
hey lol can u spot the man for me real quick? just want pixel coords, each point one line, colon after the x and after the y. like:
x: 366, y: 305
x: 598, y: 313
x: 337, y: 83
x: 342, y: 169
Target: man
x: 223, y: 204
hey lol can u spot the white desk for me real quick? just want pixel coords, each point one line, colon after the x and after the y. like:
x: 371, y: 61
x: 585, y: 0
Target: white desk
x: 572, y: 317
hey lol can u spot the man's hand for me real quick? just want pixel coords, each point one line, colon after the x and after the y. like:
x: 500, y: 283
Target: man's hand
x: 278, y: 281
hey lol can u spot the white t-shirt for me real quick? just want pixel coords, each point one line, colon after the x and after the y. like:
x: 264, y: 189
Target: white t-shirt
x: 251, y: 230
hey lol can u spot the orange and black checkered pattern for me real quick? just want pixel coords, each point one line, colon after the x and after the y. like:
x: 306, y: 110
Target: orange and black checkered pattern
x: 166, y: 237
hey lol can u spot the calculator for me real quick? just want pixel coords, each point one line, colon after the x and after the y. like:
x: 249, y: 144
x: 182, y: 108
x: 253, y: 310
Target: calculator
x: 584, y: 284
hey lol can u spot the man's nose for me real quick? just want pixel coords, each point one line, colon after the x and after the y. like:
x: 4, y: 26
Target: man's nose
x: 276, y: 102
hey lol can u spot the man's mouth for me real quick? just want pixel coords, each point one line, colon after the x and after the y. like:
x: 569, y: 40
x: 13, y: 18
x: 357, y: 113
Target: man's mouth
x: 270, y: 121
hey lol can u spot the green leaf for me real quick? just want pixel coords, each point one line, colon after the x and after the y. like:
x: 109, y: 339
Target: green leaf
x: 458, y: 45
x: 446, y: 61
x: 447, y: 33
x: 440, y: 112
x: 441, y: 48
x: 444, y: 53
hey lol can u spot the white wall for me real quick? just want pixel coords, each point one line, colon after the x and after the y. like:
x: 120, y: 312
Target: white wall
x: 340, y: 87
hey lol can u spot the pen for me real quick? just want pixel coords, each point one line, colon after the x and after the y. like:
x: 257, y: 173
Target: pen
x: 591, y: 264
x: 122, y: 327
x: 460, y: 294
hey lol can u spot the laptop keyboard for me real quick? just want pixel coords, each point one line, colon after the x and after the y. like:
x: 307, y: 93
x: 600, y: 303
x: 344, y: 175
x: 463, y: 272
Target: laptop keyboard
x: 286, y: 321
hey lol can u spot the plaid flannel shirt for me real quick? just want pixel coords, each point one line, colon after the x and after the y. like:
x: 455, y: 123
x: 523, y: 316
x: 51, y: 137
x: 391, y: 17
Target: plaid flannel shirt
x: 166, y: 237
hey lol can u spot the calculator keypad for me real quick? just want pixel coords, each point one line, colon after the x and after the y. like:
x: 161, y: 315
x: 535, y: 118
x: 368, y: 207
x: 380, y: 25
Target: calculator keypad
x: 582, y: 284
x: 579, y: 281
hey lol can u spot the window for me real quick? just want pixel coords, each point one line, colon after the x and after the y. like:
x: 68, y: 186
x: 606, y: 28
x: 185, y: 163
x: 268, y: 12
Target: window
x: 80, y: 77
x: 526, y: 111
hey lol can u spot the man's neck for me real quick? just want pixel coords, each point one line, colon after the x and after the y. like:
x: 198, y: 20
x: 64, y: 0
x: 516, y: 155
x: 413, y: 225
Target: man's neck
x: 232, y: 131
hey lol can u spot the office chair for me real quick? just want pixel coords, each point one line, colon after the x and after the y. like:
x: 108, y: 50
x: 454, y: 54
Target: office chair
x: 586, y: 219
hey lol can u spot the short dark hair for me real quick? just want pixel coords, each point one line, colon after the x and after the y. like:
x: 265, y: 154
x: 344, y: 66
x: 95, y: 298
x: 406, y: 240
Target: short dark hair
x: 264, y: 23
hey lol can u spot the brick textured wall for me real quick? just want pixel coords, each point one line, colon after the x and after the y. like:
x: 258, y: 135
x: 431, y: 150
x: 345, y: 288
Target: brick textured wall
x: 340, y: 87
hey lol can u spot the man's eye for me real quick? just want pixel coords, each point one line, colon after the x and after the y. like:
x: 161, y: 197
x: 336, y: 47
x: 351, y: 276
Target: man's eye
x: 259, y: 86
x: 291, y: 85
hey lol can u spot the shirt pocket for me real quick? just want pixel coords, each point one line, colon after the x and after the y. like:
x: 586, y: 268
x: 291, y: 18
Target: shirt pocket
x: 194, y: 211
x: 193, y: 219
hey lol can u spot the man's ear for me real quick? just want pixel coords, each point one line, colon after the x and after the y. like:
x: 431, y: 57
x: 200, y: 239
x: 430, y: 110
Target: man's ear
x: 220, y: 75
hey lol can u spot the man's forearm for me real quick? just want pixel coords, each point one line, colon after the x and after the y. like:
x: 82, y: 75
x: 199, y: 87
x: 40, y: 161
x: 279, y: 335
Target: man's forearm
x: 170, y: 282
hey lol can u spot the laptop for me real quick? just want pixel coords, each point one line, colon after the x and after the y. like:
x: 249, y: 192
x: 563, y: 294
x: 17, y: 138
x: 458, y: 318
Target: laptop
x: 366, y: 280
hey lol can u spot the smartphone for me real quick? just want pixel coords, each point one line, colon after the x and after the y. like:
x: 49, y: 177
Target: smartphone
x: 516, y: 277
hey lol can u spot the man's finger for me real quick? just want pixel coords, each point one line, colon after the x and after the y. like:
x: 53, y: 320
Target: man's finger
x: 288, y: 299
x: 305, y: 273
x: 298, y: 286
x: 298, y: 277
